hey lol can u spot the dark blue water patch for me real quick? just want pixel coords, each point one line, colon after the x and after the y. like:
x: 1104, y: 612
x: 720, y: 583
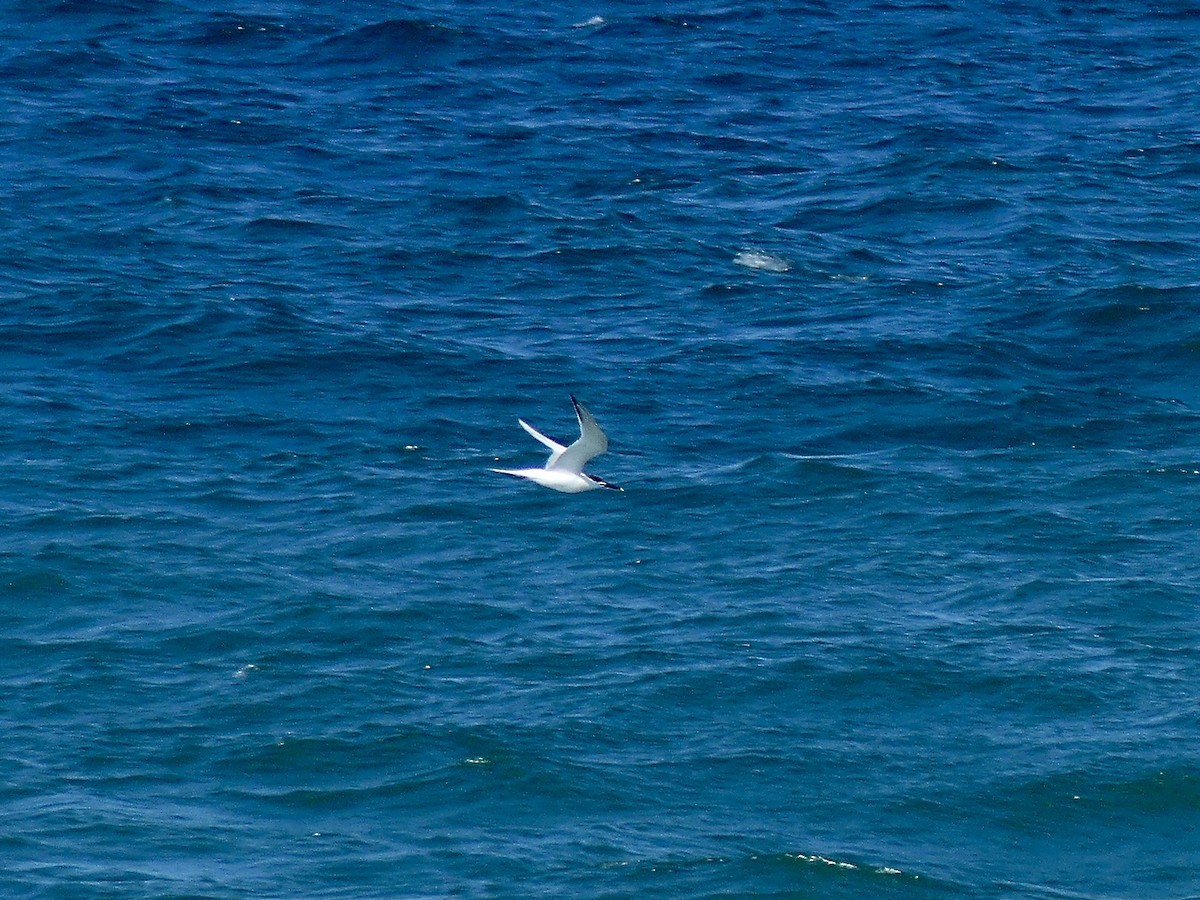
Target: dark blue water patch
x: 243, y: 34
x: 406, y: 43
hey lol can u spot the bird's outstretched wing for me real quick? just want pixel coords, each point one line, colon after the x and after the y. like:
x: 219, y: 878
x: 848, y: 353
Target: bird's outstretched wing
x: 592, y: 442
x: 556, y: 449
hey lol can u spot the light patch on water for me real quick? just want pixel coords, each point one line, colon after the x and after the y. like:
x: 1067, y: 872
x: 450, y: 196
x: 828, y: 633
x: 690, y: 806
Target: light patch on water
x: 837, y: 864
x: 821, y: 859
x: 757, y: 259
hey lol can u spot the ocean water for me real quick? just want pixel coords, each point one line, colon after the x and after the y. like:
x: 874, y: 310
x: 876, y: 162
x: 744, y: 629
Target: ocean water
x: 891, y: 311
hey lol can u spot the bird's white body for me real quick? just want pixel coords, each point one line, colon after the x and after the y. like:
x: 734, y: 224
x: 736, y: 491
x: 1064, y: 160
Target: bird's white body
x: 564, y: 469
x: 567, y: 482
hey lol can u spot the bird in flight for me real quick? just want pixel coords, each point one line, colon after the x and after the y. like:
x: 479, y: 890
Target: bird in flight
x: 564, y: 469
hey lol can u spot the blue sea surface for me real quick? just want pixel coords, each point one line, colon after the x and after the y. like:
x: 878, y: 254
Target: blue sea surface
x: 891, y: 312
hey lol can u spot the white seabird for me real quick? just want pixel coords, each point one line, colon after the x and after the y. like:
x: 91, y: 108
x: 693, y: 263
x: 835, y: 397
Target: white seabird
x: 564, y: 469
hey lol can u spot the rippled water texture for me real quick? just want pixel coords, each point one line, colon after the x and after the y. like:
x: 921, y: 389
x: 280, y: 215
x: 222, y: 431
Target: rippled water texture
x: 889, y: 310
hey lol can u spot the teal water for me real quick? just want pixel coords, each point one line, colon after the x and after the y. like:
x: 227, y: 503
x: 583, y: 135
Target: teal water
x: 888, y: 309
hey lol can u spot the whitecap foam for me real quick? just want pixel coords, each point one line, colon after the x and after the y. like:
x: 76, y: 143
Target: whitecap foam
x: 757, y: 259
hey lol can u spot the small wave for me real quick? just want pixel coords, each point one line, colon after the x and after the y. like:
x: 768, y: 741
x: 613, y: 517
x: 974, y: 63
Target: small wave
x: 818, y: 860
x: 273, y: 225
x: 403, y: 39
x: 232, y: 31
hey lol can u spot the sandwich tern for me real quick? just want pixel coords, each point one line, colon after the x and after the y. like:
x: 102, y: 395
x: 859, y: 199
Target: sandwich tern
x: 564, y: 469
